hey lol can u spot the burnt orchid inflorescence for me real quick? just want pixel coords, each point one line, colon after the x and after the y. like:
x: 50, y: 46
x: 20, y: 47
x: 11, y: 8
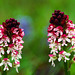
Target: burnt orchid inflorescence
x: 10, y: 44
x: 61, y: 32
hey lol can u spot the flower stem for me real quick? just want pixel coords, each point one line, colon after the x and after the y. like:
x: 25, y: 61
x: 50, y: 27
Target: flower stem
x: 66, y: 68
x: 4, y: 73
x: 5, y: 56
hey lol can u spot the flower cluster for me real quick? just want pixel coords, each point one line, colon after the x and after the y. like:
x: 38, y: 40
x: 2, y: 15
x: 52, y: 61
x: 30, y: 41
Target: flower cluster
x: 61, y: 36
x: 10, y: 44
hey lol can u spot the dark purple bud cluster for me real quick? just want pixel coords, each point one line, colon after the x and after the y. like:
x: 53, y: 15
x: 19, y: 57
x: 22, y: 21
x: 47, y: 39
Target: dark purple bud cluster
x: 58, y: 18
x: 9, y: 23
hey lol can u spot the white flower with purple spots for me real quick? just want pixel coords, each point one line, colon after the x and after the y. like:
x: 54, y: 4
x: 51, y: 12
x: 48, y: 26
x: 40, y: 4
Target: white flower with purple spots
x: 63, y: 55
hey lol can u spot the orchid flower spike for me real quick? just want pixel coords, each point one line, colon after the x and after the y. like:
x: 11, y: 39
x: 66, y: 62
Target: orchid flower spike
x: 11, y: 44
x: 61, y: 37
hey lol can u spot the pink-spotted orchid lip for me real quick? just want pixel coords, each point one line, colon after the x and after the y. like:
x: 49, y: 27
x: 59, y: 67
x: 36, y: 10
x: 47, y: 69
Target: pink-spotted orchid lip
x: 73, y: 37
x: 64, y: 35
x: 5, y: 59
x: 17, y: 62
x: 61, y: 52
x: 11, y: 45
x: 51, y: 55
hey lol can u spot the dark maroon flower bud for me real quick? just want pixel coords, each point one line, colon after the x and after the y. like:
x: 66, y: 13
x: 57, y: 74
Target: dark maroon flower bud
x: 63, y: 22
x: 59, y: 17
x: 12, y: 19
x: 18, y: 23
x: 7, y: 21
x: 65, y: 16
x: 14, y: 22
x: 53, y: 14
x: 55, y: 11
x: 4, y: 24
x: 17, y: 26
x: 56, y: 21
x: 51, y: 20
x: 62, y: 13
x: 58, y: 11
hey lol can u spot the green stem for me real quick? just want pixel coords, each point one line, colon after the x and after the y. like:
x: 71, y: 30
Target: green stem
x: 5, y: 56
x: 4, y: 73
x: 66, y: 67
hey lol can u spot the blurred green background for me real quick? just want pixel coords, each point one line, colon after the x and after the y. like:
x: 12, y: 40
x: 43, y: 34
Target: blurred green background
x: 34, y: 16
